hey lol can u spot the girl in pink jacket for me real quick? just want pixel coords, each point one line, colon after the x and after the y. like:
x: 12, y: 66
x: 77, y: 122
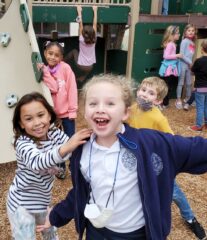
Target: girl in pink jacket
x: 60, y: 79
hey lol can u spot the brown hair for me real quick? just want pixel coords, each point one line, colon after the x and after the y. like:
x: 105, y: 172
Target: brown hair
x: 89, y: 34
x: 159, y: 84
x: 28, y: 98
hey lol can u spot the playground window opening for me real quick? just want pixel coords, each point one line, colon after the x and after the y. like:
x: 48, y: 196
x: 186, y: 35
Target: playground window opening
x: 156, y: 31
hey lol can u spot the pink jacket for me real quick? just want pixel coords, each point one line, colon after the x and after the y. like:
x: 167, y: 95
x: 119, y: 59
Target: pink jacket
x: 63, y: 88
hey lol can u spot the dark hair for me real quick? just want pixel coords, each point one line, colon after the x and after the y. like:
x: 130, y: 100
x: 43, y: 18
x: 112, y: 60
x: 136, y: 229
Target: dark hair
x: 89, y: 34
x: 28, y: 98
x: 49, y: 44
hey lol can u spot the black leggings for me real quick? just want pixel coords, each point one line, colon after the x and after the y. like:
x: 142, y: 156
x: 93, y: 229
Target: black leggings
x: 171, y: 82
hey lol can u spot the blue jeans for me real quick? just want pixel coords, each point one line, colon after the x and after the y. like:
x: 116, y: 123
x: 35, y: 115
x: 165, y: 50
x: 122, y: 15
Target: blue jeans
x: 165, y: 6
x: 69, y: 129
x: 201, y: 108
x: 181, y: 201
x: 93, y: 233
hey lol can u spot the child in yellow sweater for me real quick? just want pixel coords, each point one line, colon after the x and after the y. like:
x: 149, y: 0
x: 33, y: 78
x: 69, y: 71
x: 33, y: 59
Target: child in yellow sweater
x: 145, y: 114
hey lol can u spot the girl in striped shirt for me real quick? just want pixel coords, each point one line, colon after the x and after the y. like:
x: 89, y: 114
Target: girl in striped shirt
x: 40, y: 145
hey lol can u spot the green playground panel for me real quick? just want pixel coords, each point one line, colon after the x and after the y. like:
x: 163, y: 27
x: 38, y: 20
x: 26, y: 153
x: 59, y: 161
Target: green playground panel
x: 199, y: 6
x: 64, y: 14
x: 145, y: 6
x: 187, y: 6
x: 180, y: 6
x: 116, y: 61
x: 147, y: 55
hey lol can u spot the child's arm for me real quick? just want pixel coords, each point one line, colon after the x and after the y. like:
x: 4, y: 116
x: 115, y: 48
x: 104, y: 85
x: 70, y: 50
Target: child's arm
x: 183, y: 50
x: 60, y: 214
x: 72, y: 93
x: 49, y: 80
x: 37, y: 160
x: 95, y: 18
x: 79, y: 10
x: 77, y: 139
x: 170, y: 52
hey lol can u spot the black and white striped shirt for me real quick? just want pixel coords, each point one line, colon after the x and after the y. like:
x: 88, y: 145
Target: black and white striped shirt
x: 32, y: 184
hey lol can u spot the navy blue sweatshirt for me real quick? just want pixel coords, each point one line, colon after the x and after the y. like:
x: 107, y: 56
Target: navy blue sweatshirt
x: 160, y: 156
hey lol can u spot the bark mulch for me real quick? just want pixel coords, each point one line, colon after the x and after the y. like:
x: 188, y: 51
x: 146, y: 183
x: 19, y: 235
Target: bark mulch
x: 194, y: 186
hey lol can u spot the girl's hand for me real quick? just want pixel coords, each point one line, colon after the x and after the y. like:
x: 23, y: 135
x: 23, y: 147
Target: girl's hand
x: 47, y: 224
x: 94, y: 8
x: 40, y: 66
x: 77, y: 139
x: 179, y: 55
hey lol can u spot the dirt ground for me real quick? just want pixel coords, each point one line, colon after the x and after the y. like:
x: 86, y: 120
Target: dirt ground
x: 193, y: 186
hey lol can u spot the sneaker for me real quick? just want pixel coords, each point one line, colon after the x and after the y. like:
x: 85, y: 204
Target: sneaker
x: 178, y: 104
x: 193, y: 104
x: 197, y: 229
x: 185, y: 100
x: 195, y: 128
x: 61, y: 174
x: 186, y: 106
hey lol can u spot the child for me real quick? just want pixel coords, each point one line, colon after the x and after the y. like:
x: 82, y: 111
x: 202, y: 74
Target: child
x: 60, y: 79
x: 86, y: 57
x: 123, y: 177
x: 187, y: 49
x: 39, y: 145
x: 145, y: 114
x: 200, y: 70
x: 169, y: 69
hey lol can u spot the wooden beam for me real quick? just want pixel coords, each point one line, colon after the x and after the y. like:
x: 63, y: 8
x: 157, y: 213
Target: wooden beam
x: 135, y: 5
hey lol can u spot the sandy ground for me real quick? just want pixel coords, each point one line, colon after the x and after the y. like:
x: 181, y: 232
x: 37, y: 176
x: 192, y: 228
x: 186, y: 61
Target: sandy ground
x: 193, y: 186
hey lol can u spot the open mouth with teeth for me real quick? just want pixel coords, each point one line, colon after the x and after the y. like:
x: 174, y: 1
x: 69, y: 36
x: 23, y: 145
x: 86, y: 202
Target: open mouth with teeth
x: 101, y: 121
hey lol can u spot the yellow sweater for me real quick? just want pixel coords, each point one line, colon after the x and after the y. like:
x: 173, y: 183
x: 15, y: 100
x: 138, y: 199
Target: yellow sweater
x: 152, y: 119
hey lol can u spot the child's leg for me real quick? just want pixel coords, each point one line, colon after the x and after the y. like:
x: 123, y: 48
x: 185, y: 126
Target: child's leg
x: 22, y: 224
x: 188, y: 79
x: 165, y: 6
x: 205, y: 110
x: 72, y: 55
x: 166, y: 99
x: 68, y: 126
x: 181, y: 201
x: 85, y: 70
x: 200, y: 99
x: 181, y: 80
x: 50, y: 233
x: 192, y: 98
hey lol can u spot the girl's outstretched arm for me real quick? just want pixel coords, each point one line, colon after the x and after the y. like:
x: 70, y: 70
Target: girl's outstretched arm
x: 77, y: 139
x: 80, y: 21
x: 95, y: 18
